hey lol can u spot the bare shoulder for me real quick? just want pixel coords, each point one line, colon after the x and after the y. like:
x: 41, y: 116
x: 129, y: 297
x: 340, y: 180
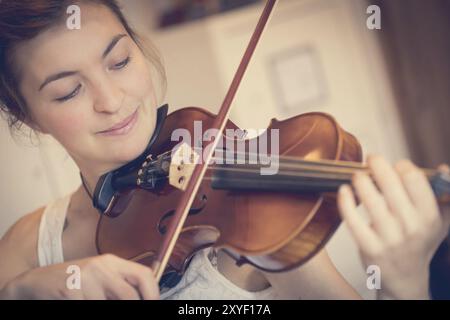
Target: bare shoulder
x: 19, y: 244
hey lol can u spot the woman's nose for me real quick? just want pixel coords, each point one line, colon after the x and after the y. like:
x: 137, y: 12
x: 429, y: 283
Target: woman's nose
x: 108, y: 97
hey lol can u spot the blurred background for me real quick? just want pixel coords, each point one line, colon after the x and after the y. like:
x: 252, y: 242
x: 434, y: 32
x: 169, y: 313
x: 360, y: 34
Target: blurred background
x: 388, y: 87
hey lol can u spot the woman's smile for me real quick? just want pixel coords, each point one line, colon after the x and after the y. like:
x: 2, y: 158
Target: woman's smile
x: 123, y: 127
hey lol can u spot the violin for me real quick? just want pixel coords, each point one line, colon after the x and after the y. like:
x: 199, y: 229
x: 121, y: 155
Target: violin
x: 166, y: 205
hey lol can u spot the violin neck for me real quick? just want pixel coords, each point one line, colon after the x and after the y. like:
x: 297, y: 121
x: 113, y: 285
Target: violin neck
x: 300, y: 176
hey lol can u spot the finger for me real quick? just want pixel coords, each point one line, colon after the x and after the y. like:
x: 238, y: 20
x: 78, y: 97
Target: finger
x: 94, y: 291
x: 117, y: 288
x: 394, y: 193
x: 142, y: 278
x: 418, y: 189
x: 365, y: 237
x: 384, y: 223
x: 120, y: 289
x: 92, y: 279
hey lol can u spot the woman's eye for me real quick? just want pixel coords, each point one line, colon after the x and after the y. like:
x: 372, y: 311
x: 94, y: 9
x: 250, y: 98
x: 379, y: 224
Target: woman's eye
x: 70, y: 95
x: 121, y: 64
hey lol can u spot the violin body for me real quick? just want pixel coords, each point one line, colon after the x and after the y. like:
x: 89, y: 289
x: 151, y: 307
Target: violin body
x: 272, y: 229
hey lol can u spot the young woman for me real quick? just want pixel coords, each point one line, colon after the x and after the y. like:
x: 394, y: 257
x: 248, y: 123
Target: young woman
x: 93, y: 90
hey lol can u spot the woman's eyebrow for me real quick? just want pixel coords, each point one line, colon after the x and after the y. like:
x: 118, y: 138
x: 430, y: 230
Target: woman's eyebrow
x: 64, y: 74
x: 57, y: 76
x: 112, y: 44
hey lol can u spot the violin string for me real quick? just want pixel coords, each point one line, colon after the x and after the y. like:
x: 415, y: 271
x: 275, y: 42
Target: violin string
x: 329, y: 166
x: 283, y: 158
x: 294, y: 167
x: 291, y: 173
x: 286, y: 169
x: 302, y: 171
x: 345, y: 179
x: 241, y: 180
x: 325, y: 166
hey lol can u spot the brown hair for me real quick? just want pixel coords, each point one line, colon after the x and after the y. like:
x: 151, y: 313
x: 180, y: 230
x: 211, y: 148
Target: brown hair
x: 24, y: 20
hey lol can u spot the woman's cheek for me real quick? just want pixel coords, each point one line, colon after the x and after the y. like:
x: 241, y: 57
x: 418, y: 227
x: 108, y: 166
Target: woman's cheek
x: 70, y: 128
x: 140, y: 83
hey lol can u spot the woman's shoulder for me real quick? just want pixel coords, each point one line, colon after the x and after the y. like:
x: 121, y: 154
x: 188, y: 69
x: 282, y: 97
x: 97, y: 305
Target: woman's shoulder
x: 22, y: 237
x: 18, y: 247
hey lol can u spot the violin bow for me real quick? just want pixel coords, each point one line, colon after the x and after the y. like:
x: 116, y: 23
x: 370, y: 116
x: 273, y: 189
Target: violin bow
x: 187, y: 198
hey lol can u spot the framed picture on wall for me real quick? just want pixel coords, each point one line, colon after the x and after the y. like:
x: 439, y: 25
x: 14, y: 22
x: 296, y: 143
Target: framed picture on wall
x: 298, y: 80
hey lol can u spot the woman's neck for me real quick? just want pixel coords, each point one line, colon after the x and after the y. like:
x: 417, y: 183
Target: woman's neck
x: 84, y: 194
x: 89, y: 178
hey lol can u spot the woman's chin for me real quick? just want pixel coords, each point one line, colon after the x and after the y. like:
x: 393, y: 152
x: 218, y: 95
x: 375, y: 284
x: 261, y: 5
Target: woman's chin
x: 131, y: 151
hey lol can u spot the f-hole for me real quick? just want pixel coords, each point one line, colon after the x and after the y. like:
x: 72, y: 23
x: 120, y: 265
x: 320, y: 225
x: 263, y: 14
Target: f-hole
x: 162, y: 224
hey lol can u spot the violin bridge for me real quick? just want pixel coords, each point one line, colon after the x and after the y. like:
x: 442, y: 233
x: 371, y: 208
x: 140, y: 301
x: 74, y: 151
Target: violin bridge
x: 182, y: 166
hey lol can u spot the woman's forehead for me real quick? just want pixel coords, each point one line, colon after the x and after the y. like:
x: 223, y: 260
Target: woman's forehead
x: 60, y: 48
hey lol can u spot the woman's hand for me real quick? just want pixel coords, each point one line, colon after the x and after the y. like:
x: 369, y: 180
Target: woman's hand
x: 102, y: 277
x: 406, y: 226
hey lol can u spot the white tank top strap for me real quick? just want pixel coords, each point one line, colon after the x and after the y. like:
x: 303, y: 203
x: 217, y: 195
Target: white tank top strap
x: 51, y: 226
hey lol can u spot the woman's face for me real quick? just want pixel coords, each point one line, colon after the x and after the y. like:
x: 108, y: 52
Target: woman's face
x: 78, y: 84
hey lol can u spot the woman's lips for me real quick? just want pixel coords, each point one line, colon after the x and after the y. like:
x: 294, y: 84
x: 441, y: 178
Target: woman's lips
x: 122, y: 127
